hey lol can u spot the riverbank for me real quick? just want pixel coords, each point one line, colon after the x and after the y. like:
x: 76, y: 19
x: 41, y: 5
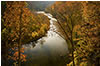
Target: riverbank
x: 45, y: 26
x: 50, y: 50
x: 26, y: 27
x: 37, y: 27
x: 53, y: 50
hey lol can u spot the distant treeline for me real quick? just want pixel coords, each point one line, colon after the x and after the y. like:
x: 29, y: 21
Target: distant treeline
x: 39, y: 5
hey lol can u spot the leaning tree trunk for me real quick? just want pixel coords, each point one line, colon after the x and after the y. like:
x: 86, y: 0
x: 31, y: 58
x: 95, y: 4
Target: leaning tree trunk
x: 70, y: 39
x: 72, y: 46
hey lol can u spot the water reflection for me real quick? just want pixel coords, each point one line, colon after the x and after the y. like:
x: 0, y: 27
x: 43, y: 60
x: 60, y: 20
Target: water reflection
x: 47, y: 51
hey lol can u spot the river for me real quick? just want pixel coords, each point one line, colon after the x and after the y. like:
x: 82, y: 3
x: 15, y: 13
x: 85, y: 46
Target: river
x: 50, y: 50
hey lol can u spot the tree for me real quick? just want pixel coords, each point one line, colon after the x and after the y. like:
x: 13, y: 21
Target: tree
x: 14, y: 26
x: 88, y: 41
x: 25, y: 26
x: 67, y: 15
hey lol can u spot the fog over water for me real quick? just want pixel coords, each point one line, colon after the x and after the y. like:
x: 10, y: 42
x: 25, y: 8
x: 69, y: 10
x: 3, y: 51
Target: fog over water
x: 49, y: 49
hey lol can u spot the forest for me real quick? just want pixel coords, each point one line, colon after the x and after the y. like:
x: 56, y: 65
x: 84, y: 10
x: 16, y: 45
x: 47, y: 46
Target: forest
x: 80, y: 24
x: 72, y: 25
x: 20, y: 26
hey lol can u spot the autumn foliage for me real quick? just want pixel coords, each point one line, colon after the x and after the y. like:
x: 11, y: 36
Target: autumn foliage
x: 85, y: 19
x: 20, y: 26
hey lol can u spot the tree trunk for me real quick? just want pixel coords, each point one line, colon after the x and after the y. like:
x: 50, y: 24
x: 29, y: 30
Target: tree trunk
x: 97, y: 61
x: 70, y: 39
x: 20, y: 32
x: 6, y: 52
x: 72, y: 47
x: 19, y: 62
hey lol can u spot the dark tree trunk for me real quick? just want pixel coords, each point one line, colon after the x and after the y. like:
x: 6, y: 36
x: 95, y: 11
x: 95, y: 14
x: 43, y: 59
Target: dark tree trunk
x: 6, y: 52
x: 72, y: 48
x: 20, y: 36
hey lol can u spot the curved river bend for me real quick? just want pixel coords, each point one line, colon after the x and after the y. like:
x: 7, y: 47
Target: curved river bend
x: 50, y: 50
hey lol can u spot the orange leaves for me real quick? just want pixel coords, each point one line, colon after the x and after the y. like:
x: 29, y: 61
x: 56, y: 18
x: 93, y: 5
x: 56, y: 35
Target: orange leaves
x: 22, y: 50
x: 15, y: 54
x: 22, y: 56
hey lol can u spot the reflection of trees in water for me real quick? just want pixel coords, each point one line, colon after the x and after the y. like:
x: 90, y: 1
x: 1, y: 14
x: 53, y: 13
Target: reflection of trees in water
x: 33, y: 44
x: 42, y: 41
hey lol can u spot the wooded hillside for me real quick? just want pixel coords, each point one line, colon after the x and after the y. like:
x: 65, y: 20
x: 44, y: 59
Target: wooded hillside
x: 80, y: 22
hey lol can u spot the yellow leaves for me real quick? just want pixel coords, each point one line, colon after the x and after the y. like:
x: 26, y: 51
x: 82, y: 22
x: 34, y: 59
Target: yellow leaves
x: 40, y: 31
x: 34, y: 34
x: 4, y: 30
x: 70, y: 64
x: 83, y: 64
x: 43, y: 28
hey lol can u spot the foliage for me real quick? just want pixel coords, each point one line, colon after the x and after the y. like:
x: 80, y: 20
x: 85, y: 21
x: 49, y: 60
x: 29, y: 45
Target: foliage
x: 88, y: 44
x: 30, y: 22
x: 83, y: 18
x: 20, y: 26
x: 13, y: 55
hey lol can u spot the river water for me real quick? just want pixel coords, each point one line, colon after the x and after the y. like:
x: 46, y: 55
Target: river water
x: 50, y: 50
